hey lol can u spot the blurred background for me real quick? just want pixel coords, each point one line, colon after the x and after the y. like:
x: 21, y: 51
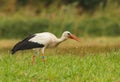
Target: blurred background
x: 95, y: 59
x: 85, y: 18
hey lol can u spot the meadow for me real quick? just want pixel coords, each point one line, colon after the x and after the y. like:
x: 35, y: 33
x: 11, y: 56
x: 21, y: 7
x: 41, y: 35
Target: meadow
x: 25, y: 22
x: 95, y: 59
x: 91, y: 60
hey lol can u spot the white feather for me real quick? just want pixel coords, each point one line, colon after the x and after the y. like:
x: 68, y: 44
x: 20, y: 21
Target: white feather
x: 45, y: 38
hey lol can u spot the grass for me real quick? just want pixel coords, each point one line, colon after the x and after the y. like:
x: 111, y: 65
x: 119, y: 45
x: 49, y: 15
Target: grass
x: 101, y: 23
x: 62, y: 68
x: 94, y: 60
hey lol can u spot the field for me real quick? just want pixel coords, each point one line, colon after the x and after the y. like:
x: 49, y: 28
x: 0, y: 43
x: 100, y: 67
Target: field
x: 95, y: 59
x: 92, y: 60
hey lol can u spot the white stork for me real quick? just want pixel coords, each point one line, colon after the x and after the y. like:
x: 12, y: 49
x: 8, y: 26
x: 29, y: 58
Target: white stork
x: 42, y: 41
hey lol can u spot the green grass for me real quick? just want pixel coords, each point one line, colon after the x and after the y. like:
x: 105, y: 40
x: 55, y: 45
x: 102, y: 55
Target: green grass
x: 60, y: 68
x: 101, y: 23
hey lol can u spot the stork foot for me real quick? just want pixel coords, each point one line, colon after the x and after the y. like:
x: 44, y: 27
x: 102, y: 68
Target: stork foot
x: 43, y: 59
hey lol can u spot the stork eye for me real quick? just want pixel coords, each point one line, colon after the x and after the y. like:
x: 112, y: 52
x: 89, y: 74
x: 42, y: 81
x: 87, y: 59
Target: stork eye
x: 68, y: 33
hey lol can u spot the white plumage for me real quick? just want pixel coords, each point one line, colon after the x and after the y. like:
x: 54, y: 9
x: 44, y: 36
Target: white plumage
x: 46, y: 38
x: 42, y: 41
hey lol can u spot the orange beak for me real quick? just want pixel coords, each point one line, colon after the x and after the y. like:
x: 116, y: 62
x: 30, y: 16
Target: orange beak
x: 74, y: 37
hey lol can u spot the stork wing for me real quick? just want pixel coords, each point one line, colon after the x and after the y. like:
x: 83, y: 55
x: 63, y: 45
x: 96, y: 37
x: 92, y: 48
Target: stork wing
x: 26, y: 44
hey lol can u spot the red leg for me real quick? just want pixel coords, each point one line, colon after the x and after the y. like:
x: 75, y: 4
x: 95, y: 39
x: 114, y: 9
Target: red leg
x: 33, y: 60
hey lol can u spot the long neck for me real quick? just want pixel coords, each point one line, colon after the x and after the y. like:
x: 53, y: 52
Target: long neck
x: 61, y: 39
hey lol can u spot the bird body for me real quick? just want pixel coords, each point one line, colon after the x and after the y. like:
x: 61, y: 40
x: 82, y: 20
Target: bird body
x: 42, y: 41
x: 46, y: 38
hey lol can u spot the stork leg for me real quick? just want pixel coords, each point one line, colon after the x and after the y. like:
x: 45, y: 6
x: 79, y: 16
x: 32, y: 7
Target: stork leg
x: 43, y: 58
x: 33, y: 57
x: 43, y: 55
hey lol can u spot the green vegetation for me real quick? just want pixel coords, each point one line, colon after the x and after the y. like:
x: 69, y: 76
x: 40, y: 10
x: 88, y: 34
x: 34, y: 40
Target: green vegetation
x: 95, y: 26
x: 38, y: 5
x: 60, y: 68
x: 93, y: 60
x: 30, y: 18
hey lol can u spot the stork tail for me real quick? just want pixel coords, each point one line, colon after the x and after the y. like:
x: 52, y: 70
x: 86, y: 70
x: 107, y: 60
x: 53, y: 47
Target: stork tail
x: 26, y: 44
x: 16, y: 48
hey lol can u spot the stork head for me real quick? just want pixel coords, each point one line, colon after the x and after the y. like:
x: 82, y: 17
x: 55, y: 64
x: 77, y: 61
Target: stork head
x: 67, y: 35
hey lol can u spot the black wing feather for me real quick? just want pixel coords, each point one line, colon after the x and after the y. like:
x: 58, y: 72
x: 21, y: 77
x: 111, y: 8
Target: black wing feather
x: 26, y: 44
